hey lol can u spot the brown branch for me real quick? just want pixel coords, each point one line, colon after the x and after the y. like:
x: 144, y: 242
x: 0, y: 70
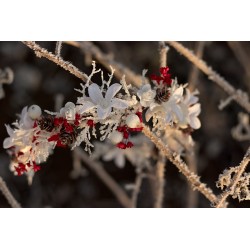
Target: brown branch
x: 194, y: 74
x: 238, y: 95
x: 160, y: 181
x: 41, y: 52
x: 230, y: 190
x: 107, y: 61
x: 192, y: 196
x: 137, y: 188
x: 182, y: 166
x: 7, y: 194
x: 163, y: 50
x: 97, y: 167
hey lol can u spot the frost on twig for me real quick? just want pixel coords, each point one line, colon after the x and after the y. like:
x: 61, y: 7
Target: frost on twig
x: 6, y: 77
x: 235, y: 181
x: 7, y: 194
x: 183, y: 168
x: 239, y: 96
x: 58, y: 48
x: 41, y: 52
x: 242, y: 131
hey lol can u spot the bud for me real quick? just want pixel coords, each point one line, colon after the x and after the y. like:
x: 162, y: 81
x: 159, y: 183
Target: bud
x: 132, y: 121
x: 116, y: 137
x: 34, y: 112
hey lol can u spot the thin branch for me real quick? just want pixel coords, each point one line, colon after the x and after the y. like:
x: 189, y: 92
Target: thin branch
x: 192, y: 196
x: 41, y: 52
x: 7, y: 194
x: 194, y: 73
x: 106, y: 61
x: 106, y: 178
x: 58, y: 48
x: 182, y: 166
x: 163, y: 50
x: 239, y: 96
x: 230, y: 190
x: 160, y: 181
x: 137, y: 187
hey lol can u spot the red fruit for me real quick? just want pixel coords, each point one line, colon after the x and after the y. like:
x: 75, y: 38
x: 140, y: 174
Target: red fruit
x: 129, y: 144
x: 121, y: 145
x: 90, y: 123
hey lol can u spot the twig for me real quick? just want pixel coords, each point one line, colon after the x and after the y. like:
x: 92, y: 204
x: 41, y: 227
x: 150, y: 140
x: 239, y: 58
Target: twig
x: 163, y: 50
x: 137, y: 188
x: 242, y: 56
x: 182, y: 166
x: 192, y: 196
x: 239, y: 96
x: 160, y: 181
x: 106, y: 61
x: 58, y: 48
x: 230, y: 190
x: 41, y: 52
x: 7, y: 194
x: 194, y: 74
x: 106, y: 178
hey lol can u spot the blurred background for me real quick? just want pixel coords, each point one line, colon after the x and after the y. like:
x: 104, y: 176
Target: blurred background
x: 39, y: 81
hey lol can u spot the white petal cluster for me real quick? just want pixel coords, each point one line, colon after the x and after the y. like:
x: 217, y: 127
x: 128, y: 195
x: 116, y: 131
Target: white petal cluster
x: 24, y: 149
x: 180, y: 109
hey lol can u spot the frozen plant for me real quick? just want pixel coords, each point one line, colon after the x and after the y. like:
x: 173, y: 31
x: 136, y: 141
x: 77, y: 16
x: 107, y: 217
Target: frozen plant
x: 103, y: 110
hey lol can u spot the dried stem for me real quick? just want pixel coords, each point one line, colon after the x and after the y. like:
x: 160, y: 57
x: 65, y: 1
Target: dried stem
x: 239, y: 96
x: 194, y: 74
x: 7, y: 194
x: 182, y: 166
x: 107, y: 61
x: 192, y: 196
x: 163, y: 50
x: 230, y: 190
x: 160, y: 180
x: 41, y: 52
x: 137, y: 188
x: 58, y: 48
x: 106, y: 178
x: 242, y: 57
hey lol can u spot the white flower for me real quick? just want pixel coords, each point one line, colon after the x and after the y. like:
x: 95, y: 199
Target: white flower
x: 190, y: 109
x: 146, y: 95
x: 171, y: 109
x: 105, y: 104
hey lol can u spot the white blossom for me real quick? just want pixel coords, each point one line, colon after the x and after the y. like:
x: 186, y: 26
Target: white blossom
x: 105, y: 104
x: 146, y: 95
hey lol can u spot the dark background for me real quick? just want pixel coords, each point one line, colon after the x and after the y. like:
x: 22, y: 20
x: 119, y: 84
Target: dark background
x: 38, y: 80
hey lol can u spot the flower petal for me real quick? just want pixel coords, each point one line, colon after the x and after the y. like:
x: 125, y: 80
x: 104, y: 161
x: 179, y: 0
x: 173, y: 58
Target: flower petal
x: 86, y: 106
x: 195, y: 122
x: 95, y: 93
x: 178, y: 112
x: 9, y: 129
x: 7, y: 143
x: 103, y: 113
x: 112, y: 91
x: 118, y: 103
x: 178, y: 93
x: 195, y: 110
